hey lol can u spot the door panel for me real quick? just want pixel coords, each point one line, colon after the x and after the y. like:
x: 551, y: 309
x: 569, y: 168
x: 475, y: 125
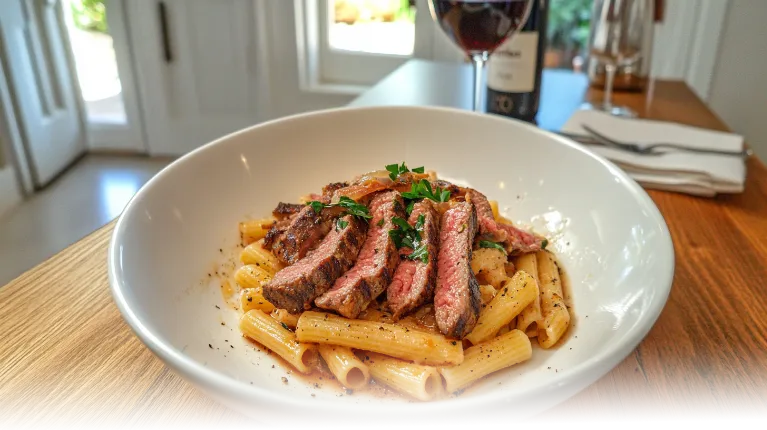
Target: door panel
x: 33, y: 45
x: 214, y: 82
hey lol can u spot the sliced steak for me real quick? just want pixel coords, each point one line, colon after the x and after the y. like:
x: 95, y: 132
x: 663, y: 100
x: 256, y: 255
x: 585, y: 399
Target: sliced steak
x: 515, y: 240
x: 455, y: 190
x: 414, y: 280
x: 519, y: 241
x: 376, y: 263
x: 295, y: 287
x: 329, y: 189
x: 489, y: 229
x: 286, y: 210
x: 275, y: 232
x: 305, y: 231
x: 457, y: 299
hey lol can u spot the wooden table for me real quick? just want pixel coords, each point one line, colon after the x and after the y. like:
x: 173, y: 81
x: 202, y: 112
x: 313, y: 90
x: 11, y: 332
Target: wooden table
x: 66, y: 350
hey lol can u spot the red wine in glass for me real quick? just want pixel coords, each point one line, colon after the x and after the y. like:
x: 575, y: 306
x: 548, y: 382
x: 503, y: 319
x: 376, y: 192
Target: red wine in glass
x: 478, y: 27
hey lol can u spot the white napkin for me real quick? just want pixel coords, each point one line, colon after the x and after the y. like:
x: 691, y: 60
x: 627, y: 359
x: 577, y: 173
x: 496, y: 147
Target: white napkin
x: 685, y: 172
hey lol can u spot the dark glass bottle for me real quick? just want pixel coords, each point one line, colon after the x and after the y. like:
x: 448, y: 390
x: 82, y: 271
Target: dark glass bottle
x: 515, y: 68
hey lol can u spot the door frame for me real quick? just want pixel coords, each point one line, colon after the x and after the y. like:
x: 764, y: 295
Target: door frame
x: 131, y: 136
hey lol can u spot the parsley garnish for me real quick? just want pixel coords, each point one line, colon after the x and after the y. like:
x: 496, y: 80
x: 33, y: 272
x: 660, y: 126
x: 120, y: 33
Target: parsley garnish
x: 381, y: 223
x: 408, y: 236
x: 488, y: 244
x: 397, y: 169
x: 544, y: 243
x: 317, y: 206
x: 341, y: 224
x: 423, y: 190
x: 285, y: 326
x: 409, y: 208
x: 352, y: 207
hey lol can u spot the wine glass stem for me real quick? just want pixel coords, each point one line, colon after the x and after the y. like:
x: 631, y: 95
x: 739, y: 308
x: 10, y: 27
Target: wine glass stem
x: 479, y: 64
x: 610, y: 70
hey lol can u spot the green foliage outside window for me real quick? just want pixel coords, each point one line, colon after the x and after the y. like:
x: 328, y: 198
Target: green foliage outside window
x: 568, y: 26
x: 89, y: 15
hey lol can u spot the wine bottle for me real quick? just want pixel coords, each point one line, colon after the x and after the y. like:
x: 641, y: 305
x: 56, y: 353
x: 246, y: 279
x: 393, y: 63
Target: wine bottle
x: 514, y: 69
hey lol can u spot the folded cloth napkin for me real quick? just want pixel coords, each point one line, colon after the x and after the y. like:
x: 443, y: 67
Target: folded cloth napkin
x: 681, y: 171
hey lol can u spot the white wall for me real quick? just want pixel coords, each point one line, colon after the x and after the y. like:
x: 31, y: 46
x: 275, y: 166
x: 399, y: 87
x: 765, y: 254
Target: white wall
x: 739, y: 85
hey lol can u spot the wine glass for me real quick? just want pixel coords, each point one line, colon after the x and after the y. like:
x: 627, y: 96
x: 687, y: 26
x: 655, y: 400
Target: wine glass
x: 478, y: 27
x: 618, y: 30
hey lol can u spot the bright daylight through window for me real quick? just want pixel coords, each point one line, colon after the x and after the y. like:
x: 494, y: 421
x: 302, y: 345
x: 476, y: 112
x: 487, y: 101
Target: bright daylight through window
x: 372, y: 26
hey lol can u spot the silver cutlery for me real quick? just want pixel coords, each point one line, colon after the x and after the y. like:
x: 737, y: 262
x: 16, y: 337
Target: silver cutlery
x: 655, y: 148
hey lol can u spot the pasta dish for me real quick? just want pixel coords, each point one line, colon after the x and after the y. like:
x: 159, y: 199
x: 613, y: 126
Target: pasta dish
x: 400, y: 278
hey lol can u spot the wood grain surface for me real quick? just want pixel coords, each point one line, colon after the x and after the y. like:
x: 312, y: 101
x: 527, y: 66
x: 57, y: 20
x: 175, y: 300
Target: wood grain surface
x: 65, y: 349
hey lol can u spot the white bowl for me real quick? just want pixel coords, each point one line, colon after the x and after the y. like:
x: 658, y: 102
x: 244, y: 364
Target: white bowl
x: 609, y: 235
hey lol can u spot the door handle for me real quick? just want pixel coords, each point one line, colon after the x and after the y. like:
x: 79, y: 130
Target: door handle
x: 164, y: 31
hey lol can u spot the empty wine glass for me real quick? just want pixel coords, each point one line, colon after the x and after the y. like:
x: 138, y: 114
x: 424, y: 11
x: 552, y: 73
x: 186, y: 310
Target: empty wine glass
x: 618, y: 29
x: 478, y: 27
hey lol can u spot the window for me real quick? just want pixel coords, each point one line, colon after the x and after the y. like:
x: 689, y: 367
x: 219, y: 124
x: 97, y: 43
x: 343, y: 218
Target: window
x: 352, y: 44
x: 372, y: 26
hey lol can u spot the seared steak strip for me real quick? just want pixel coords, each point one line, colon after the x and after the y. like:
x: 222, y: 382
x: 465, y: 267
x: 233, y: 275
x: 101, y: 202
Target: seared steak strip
x: 277, y: 229
x: 489, y: 229
x: 286, y: 210
x: 295, y: 287
x: 515, y: 240
x: 303, y: 234
x: 375, y: 266
x: 457, y: 299
x: 329, y: 189
x: 414, y: 281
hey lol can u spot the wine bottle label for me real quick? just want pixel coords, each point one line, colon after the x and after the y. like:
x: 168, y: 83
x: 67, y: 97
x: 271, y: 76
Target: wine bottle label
x: 511, y: 68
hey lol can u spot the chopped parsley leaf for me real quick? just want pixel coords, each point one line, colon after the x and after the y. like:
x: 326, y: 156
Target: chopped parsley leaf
x: 341, y: 224
x: 488, y: 244
x: 423, y: 190
x: 352, y: 207
x: 407, y: 236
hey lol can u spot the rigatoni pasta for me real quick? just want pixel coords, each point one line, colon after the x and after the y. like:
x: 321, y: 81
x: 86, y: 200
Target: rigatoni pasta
x: 509, y: 289
x: 268, y: 332
x: 483, y: 359
x: 389, y: 339
x: 255, y: 229
x: 418, y: 381
x: 255, y: 254
x: 350, y: 371
x: 556, y: 317
x: 515, y: 294
x: 531, y: 315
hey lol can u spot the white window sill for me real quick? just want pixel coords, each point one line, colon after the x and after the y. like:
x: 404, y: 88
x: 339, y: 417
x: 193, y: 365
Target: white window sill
x: 334, y: 88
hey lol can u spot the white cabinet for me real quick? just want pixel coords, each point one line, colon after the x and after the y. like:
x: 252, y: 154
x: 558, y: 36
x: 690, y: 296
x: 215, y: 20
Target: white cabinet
x: 201, y: 68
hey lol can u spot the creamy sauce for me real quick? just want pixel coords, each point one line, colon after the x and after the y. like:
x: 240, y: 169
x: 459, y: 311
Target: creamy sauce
x: 422, y: 319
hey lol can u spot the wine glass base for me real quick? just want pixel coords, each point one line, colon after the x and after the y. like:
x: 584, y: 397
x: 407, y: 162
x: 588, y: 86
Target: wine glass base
x: 620, y: 111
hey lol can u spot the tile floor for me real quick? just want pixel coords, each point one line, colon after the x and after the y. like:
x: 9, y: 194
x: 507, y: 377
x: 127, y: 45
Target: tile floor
x: 87, y: 196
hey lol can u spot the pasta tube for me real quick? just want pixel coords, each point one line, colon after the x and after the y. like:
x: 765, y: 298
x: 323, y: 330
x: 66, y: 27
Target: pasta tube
x: 250, y: 278
x: 531, y: 315
x: 483, y: 359
x: 556, y: 317
x: 389, y: 339
x: 350, y: 371
x: 285, y: 317
x: 418, y: 381
x: 270, y: 333
x: 256, y: 254
x: 255, y: 229
x: 494, y: 208
x: 515, y: 294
